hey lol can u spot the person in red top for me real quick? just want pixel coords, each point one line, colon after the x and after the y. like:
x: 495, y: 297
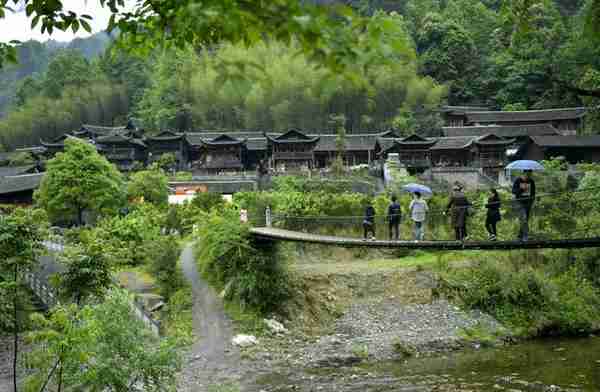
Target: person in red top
x: 524, y: 191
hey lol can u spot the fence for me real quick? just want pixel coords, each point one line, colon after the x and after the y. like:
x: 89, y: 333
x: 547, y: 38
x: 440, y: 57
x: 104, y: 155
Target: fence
x: 48, y: 296
x: 41, y: 289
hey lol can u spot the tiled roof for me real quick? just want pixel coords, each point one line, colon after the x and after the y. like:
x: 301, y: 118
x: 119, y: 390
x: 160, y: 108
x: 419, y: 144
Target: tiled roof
x: 196, y: 138
x: 492, y: 139
x: 117, y: 137
x: 528, y: 115
x: 293, y: 136
x: 9, y: 171
x: 502, y: 130
x: 353, y: 142
x: 588, y: 141
x: 385, y: 142
x: 256, y: 144
x: 165, y: 136
x: 257, y: 141
x: 453, y: 143
x: 463, y: 109
x: 102, y: 130
x: 20, y: 183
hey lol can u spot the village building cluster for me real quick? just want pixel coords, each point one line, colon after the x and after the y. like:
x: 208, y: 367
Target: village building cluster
x: 473, y: 137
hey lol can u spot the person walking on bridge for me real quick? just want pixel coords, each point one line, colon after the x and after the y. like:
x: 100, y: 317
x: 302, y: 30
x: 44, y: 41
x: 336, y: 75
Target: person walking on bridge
x: 493, y: 214
x: 459, y: 207
x: 418, y: 212
x: 369, y: 221
x: 524, y: 191
x: 394, y: 216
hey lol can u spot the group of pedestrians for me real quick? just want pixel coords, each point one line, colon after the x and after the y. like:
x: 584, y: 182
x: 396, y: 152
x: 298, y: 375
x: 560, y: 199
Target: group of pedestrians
x: 459, y: 209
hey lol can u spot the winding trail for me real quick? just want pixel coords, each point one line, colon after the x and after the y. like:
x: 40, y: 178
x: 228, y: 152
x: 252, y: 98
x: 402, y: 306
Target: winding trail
x: 212, y: 357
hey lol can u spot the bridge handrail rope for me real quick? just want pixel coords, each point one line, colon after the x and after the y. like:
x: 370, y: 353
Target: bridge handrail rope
x: 549, y: 230
x: 431, y: 213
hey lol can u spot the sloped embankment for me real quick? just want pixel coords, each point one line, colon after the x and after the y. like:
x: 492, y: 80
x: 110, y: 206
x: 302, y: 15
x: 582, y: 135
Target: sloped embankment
x: 361, y: 309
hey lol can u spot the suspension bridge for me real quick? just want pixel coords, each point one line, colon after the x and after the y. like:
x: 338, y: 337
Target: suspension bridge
x: 561, y: 220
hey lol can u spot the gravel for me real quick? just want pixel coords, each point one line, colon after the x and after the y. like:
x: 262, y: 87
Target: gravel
x: 372, y: 330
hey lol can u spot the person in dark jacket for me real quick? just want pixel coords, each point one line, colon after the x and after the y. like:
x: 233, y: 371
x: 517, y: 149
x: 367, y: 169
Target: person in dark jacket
x: 369, y: 221
x: 524, y: 191
x: 493, y: 214
x: 458, y: 207
x: 394, y: 215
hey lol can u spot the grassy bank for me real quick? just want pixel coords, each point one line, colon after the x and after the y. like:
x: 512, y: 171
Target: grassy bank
x: 535, y: 293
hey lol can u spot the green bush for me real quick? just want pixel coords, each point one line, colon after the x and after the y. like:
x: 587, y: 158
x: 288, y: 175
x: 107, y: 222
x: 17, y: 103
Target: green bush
x: 534, y: 300
x: 206, y: 201
x: 248, y: 273
x: 127, y: 238
x: 163, y: 255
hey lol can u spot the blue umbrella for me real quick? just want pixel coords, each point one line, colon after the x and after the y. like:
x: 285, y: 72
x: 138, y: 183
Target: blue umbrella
x: 525, y: 165
x: 412, y: 188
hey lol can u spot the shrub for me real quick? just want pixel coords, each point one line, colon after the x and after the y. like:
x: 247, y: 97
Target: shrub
x: 206, y: 201
x: 527, y: 298
x: 250, y: 274
x: 162, y: 255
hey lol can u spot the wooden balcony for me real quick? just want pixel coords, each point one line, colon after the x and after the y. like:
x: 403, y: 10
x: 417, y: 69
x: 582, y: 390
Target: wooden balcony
x: 119, y: 155
x: 293, y: 156
x: 409, y: 160
x: 491, y: 162
x: 222, y: 164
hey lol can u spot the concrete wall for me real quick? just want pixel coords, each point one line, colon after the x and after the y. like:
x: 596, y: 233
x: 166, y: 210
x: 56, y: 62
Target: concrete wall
x: 470, y: 178
x: 225, y: 186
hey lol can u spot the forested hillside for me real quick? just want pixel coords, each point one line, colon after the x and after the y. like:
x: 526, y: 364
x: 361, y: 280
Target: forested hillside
x: 457, y: 52
x: 34, y: 58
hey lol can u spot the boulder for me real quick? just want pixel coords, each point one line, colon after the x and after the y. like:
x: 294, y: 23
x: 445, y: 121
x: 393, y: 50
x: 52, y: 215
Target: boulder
x: 275, y: 326
x: 244, y: 340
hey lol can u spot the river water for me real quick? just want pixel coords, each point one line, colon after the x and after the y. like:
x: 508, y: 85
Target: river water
x: 534, y: 365
x: 540, y: 365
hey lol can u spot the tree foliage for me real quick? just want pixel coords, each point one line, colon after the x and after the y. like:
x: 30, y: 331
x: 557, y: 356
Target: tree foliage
x: 150, y: 185
x: 79, y: 180
x: 100, y: 347
x: 284, y: 90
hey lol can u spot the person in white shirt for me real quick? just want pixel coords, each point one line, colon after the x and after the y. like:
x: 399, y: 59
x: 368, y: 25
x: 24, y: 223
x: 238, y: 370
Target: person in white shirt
x: 418, y: 211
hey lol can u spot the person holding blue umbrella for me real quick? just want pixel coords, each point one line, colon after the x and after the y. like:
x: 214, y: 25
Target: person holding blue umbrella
x: 524, y: 192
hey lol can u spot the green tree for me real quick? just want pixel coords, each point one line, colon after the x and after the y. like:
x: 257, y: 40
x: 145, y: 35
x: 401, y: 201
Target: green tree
x: 163, y: 255
x: 207, y: 201
x: 67, y: 68
x: 151, y: 185
x: 338, y: 123
x: 88, y: 270
x: 325, y: 33
x: 284, y: 91
x: 77, y: 180
x: 20, y: 239
x: 166, y: 162
x: 448, y: 54
x: 100, y: 347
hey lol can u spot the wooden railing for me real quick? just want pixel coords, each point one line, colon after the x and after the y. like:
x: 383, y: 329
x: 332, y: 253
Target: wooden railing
x: 292, y: 155
x: 222, y: 164
x: 48, y: 296
x: 41, y: 289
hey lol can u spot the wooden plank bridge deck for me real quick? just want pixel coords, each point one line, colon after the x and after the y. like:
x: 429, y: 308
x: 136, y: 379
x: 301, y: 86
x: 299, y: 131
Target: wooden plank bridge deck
x: 270, y: 233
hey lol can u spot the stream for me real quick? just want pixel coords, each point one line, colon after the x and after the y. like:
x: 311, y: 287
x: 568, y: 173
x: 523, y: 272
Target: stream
x: 539, y: 365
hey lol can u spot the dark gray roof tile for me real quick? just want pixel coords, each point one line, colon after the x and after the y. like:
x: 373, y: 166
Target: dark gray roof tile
x: 507, y: 131
x: 20, y: 183
x: 587, y: 141
x: 9, y: 171
x: 527, y: 115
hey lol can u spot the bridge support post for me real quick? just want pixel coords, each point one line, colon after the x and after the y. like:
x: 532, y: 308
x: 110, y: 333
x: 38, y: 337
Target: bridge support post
x: 268, y: 216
